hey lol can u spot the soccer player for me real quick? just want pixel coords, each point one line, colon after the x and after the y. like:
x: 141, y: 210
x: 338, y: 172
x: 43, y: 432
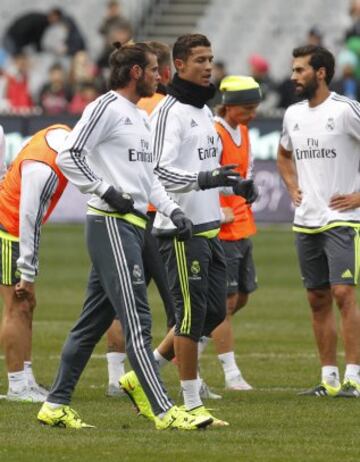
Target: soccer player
x: 153, y: 264
x: 29, y: 192
x: 318, y: 160
x: 241, y: 96
x: 187, y: 162
x: 108, y: 154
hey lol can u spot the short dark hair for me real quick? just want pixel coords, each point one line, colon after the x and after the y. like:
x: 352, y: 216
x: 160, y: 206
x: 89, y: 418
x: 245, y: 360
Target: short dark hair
x: 184, y: 44
x: 319, y: 57
x: 162, y: 52
x: 123, y: 58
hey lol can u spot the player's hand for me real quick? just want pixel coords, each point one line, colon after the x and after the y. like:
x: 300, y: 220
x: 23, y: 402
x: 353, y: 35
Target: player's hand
x: 221, y: 176
x: 296, y: 196
x: 343, y: 202
x: 25, y: 290
x: 246, y: 189
x: 228, y: 214
x: 120, y: 201
x: 183, y: 225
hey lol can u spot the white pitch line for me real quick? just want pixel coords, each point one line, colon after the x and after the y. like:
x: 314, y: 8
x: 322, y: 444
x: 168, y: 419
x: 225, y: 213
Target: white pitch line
x: 256, y: 355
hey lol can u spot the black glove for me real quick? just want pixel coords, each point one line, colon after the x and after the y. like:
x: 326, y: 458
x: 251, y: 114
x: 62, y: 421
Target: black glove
x: 247, y: 189
x: 120, y: 201
x: 183, y: 225
x: 222, y: 176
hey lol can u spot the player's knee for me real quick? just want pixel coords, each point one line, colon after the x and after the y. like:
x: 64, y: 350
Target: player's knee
x: 320, y: 300
x: 232, y: 303
x: 241, y: 302
x: 343, y: 295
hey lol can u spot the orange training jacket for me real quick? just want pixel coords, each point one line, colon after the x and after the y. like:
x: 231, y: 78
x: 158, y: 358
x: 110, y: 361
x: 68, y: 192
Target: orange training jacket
x: 243, y: 225
x: 38, y: 150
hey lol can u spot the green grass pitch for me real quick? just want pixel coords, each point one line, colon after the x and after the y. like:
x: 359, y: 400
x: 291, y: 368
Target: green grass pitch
x: 275, y: 349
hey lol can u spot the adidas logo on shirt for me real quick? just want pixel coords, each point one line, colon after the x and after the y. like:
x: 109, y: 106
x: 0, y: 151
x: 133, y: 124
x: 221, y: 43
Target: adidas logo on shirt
x: 347, y: 274
x: 125, y: 121
x: 193, y: 123
x: 296, y: 128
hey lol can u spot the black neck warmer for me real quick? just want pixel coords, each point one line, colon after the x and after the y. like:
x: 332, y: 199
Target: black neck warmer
x: 190, y: 93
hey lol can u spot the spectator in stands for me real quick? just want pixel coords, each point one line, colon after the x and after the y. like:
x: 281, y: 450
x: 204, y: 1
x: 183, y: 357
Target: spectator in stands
x: 56, y: 93
x: 83, y: 71
x: 17, y: 88
x: 84, y: 95
x: 120, y: 33
x: 25, y: 30
x: 260, y: 71
x: 354, y: 29
x: 347, y: 84
x: 314, y: 36
x: 64, y: 26
x: 113, y: 19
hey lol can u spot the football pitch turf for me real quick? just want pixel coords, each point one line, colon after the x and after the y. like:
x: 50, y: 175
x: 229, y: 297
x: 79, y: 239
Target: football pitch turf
x: 275, y: 349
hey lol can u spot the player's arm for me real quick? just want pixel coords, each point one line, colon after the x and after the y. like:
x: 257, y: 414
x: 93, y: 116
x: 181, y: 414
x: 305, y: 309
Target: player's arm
x: 342, y: 202
x: 165, y: 205
x: 166, y: 140
x: 160, y: 199
x: 38, y: 185
x: 286, y: 167
x: 90, y: 131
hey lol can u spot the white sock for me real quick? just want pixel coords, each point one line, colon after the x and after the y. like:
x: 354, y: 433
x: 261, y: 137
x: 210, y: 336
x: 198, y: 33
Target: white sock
x: 202, y: 344
x: 352, y: 372
x: 229, y: 365
x: 330, y: 374
x: 30, y: 379
x: 116, y: 367
x: 190, y: 390
x: 53, y: 405
x: 160, y: 359
x: 17, y: 381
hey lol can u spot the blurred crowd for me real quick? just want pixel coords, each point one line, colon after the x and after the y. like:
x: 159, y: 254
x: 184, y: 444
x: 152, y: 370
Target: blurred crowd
x: 45, y: 64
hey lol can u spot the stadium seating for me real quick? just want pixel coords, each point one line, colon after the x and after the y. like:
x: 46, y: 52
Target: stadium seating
x: 238, y: 28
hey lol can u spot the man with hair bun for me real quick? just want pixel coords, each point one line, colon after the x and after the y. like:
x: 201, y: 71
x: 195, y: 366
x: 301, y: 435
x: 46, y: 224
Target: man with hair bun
x: 108, y: 154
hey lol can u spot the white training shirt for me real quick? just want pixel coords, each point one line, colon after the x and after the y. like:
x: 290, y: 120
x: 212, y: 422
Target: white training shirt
x: 110, y: 146
x: 325, y: 143
x: 38, y: 185
x: 185, y: 142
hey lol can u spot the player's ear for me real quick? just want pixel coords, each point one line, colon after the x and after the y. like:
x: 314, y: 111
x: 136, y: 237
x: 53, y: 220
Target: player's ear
x: 136, y: 72
x: 321, y: 73
x: 179, y: 64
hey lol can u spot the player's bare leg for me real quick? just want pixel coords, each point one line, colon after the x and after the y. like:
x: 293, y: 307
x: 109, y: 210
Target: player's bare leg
x: 223, y: 337
x: 16, y: 338
x: 345, y: 297
x: 325, y: 331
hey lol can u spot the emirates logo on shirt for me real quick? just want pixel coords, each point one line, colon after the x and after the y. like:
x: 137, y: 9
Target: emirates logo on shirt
x: 313, y: 151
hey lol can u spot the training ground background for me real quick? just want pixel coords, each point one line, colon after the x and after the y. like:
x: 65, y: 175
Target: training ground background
x: 275, y: 349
